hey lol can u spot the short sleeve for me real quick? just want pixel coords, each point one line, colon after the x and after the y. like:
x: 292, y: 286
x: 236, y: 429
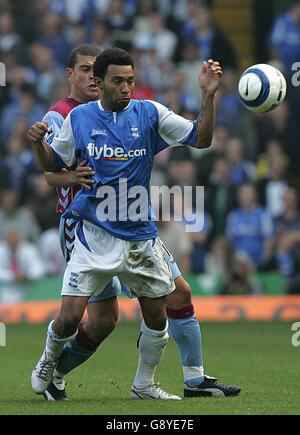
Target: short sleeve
x: 174, y: 129
x: 55, y: 121
x: 64, y: 144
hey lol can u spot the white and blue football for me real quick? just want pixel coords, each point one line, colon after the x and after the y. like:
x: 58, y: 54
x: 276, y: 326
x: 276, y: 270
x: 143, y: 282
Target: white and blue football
x: 262, y: 88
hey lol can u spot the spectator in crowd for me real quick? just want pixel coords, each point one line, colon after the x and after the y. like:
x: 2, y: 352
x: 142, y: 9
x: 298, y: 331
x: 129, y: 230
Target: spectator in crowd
x: 27, y: 106
x: 189, y: 65
x: 53, y: 38
x: 207, y: 158
x: 211, y: 41
x: 218, y: 258
x: 25, y: 19
x: 241, y: 170
x: 51, y: 255
x: 119, y: 24
x: 200, y: 245
x: 284, y: 45
x: 288, y: 240
x: 152, y: 71
x: 272, y: 187
x: 48, y: 73
x: 220, y: 196
x: 164, y: 41
x: 10, y: 40
x: 274, y: 125
x: 239, y: 279
x: 182, y: 169
x: 273, y: 147
x: 21, y: 217
x: 142, y: 21
x: 250, y: 228
x: 20, y: 261
x: 173, y: 234
x: 18, y: 160
x: 284, y: 40
x: 232, y: 114
x: 77, y: 34
x: 43, y: 203
x: 100, y: 36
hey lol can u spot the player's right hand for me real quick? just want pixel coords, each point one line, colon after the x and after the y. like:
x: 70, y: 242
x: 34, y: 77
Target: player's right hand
x: 82, y: 175
x: 37, y: 132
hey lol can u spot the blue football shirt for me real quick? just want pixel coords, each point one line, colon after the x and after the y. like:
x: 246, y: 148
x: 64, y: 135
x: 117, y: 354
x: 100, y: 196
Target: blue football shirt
x: 120, y: 147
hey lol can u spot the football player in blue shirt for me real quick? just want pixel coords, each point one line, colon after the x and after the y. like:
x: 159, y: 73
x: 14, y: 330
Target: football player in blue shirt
x: 119, y: 137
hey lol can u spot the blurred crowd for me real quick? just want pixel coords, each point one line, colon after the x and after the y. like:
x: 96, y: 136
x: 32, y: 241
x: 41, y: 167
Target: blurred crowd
x: 250, y: 174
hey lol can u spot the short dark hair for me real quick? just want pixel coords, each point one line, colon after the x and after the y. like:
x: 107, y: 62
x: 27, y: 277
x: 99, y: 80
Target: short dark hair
x: 111, y: 56
x: 82, y: 50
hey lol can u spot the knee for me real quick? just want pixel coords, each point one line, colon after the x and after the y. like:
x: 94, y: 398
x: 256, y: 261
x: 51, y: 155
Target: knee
x: 185, y: 292
x: 156, y: 322
x: 67, y: 325
x: 181, y: 297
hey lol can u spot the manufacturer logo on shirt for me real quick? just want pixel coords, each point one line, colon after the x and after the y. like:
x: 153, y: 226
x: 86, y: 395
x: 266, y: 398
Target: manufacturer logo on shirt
x: 50, y: 134
x: 95, y: 133
x: 109, y: 153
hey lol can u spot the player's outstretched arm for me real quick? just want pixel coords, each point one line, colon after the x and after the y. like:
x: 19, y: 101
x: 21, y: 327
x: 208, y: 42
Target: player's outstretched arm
x: 209, y: 80
x: 43, y: 152
x: 79, y: 177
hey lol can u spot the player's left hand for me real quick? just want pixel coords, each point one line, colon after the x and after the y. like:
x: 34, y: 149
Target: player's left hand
x: 210, y: 77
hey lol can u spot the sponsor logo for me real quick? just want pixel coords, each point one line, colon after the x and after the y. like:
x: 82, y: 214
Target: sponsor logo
x: 106, y: 152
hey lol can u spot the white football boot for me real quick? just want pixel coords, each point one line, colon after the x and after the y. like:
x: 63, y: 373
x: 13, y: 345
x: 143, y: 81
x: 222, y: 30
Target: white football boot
x: 152, y: 392
x: 42, y: 375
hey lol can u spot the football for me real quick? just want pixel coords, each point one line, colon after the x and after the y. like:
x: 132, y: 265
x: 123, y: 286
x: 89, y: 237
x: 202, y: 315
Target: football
x: 262, y: 88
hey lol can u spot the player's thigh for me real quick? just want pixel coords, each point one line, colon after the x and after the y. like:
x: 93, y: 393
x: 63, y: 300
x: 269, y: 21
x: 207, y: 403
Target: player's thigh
x: 146, y: 273
x: 154, y: 312
x: 182, y: 296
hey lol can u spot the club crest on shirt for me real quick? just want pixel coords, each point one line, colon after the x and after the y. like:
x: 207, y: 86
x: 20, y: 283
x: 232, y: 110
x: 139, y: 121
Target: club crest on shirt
x: 135, y: 132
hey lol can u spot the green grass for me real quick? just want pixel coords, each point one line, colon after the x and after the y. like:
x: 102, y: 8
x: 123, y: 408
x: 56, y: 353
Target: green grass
x: 257, y: 356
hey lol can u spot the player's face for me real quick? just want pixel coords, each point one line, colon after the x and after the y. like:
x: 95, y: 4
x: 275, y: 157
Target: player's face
x: 117, y: 87
x: 81, y: 78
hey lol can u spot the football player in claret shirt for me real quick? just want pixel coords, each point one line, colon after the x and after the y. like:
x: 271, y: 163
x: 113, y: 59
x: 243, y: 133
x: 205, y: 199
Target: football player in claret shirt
x: 119, y: 138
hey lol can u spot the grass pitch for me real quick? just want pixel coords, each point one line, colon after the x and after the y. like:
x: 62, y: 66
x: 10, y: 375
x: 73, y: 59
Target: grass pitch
x: 257, y: 356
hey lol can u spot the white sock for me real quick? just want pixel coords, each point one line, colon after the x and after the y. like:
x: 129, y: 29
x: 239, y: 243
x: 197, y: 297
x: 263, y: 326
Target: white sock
x: 151, y: 347
x: 54, y: 343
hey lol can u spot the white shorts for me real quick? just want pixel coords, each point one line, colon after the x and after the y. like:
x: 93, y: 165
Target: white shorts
x: 98, y: 256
